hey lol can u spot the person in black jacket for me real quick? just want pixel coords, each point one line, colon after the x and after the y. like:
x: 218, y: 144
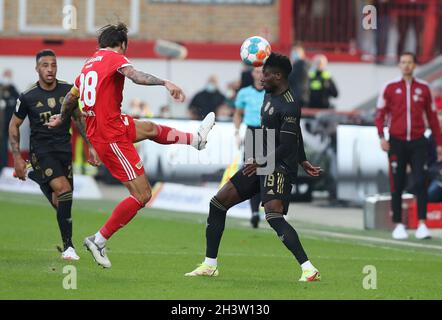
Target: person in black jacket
x: 298, y: 78
x: 8, y: 100
x: 321, y: 84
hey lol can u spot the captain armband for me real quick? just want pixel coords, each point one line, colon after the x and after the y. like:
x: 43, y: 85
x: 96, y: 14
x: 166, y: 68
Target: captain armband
x: 74, y: 91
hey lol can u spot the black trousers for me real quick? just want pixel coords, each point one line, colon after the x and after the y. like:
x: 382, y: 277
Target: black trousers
x: 415, y: 153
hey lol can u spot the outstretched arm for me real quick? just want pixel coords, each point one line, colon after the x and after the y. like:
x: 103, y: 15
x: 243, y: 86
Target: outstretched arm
x: 142, y: 78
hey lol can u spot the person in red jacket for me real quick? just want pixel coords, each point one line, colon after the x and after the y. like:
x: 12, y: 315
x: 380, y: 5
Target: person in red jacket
x: 404, y: 102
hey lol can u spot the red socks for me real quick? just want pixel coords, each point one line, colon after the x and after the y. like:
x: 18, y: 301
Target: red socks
x: 167, y: 135
x: 122, y: 214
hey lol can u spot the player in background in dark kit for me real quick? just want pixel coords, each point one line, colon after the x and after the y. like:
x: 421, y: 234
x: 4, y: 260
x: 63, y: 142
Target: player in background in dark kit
x: 50, y: 150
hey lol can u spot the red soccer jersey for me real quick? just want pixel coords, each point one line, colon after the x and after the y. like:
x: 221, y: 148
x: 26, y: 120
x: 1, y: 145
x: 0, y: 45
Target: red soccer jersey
x: 101, y: 92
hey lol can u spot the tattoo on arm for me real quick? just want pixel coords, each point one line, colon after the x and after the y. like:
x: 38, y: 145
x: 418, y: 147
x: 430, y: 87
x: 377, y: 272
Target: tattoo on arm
x: 80, y: 124
x: 140, y: 77
x: 14, y: 136
x: 70, y: 103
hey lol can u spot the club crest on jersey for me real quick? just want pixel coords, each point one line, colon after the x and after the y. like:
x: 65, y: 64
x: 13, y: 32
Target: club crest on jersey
x: 418, y: 91
x: 51, y: 102
x: 398, y: 91
x: 139, y: 165
x: 49, y: 172
x: 267, y: 106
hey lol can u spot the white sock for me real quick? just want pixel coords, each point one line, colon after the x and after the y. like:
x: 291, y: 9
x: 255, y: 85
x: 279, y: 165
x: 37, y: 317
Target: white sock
x: 210, y: 262
x: 99, y: 239
x: 307, y: 265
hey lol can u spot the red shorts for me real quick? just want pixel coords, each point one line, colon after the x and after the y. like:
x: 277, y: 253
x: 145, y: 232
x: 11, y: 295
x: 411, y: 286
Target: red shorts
x: 121, y: 158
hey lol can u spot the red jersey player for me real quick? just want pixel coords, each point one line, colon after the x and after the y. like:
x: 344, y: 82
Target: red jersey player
x: 100, y: 87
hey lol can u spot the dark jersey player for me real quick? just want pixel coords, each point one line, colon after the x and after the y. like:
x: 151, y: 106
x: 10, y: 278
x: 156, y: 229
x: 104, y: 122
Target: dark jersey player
x: 280, y: 115
x: 50, y: 150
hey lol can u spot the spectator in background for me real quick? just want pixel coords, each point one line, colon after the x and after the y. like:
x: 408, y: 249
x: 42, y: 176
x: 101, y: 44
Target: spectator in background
x: 410, y: 23
x: 207, y: 100
x: 8, y: 100
x: 246, y: 77
x: 383, y: 27
x: 298, y: 78
x: 140, y: 109
x: 224, y: 113
x: 321, y: 84
x: 232, y: 90
x: 165, y: 112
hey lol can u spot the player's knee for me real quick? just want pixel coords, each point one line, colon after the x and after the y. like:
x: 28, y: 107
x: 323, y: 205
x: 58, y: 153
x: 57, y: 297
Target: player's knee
x: 274, y: 207
x: 144, y: 197
x: 62, y: 190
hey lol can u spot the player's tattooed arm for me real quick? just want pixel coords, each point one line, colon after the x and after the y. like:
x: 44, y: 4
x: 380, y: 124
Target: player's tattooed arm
x: 140, y: 77
x: 78, y: 119
x: 14, y: 135
x: 70, y: 103
x: 80, y: 123
x: 14, y: 141
x: 143, y: 78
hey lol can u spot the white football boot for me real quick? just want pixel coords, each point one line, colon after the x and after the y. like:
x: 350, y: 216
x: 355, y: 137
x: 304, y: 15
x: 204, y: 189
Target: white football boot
x: 199, y: 140
x: 70, y: 254
x: 99, y: 253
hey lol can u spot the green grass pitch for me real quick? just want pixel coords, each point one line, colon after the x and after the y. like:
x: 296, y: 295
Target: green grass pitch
x: 152, y: 253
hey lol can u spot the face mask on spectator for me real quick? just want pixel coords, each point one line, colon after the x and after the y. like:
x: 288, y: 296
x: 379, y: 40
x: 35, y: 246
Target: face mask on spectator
x: 210, y: 87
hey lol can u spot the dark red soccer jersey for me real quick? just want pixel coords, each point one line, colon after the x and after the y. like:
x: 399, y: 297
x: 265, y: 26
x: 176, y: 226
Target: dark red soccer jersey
x: 101, y: 92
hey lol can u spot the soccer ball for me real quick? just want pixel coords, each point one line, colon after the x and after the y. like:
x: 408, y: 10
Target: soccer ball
x: 255, y: 51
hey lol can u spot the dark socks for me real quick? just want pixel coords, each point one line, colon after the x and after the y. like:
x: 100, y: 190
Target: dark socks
x: 64, y: 218
x: 287, y: 235
x: 215, y: 227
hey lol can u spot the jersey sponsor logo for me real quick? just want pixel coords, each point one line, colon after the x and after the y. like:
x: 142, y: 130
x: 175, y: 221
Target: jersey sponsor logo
x: 51, y: 102
x: 97, y: 58
x: 49, y: 172
x: 39, y: 104
x: 290, y: 119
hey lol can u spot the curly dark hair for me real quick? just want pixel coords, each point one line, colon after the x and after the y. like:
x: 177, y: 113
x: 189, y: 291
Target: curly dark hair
x: 112, y: 35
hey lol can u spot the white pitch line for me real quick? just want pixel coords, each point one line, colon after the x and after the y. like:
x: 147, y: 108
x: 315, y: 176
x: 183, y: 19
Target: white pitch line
x: 372, y: 239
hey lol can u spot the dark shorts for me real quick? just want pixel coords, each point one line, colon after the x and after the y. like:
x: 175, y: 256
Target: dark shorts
x: 48, y: 166
x: 271, y: 187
